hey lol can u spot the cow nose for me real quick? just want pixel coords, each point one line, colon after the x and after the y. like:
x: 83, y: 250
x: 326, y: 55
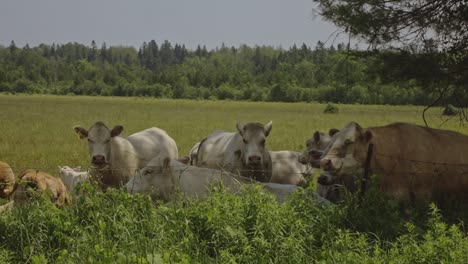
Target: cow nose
x: 325, y: 164
x: 255, y: 159
x: 98, y: 159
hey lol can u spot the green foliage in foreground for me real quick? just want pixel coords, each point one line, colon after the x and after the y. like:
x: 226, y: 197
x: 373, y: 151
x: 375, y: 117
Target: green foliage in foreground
x: 116, y: 227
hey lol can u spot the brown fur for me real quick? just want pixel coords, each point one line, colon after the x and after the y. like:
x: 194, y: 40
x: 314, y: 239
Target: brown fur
x: 7, y: 180
x: 414, y: 163
x: 41, y: 182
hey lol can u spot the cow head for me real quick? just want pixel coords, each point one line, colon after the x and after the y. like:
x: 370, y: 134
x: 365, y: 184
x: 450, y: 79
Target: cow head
x: 154, y: 179
x: 315, y: 147
x: 346, y: 153
x: 99, y: 141
x: 253, y: 142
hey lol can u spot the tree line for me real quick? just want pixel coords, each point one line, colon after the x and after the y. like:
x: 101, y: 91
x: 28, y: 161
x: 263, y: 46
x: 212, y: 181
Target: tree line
x: 261, y: 73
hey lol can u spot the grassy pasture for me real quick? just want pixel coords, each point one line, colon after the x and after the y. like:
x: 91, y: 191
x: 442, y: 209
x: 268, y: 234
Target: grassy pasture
x: 36, y: 131
x: 116, y: 227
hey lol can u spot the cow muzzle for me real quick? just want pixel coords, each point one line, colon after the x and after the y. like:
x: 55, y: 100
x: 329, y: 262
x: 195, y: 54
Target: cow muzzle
x: 331, y: 164
x: 98, y: 160
x: 254, y: 160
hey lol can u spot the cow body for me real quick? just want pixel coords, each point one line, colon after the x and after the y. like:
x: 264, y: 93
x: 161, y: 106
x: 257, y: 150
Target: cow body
x: 163, y: 178
x: 116, y: 159
x: 242, y: 153
x: 41, y: 182
x: 413, y: 162
x: 71, y: 177
x: 7, y: 180
x: 286, y: 168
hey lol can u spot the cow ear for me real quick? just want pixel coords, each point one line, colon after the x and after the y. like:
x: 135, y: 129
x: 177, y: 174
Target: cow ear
x: 240, y: 127
x: 81, y: 131
x: 268, y: 128
x: 116, y: 130
x: 317, y: 136
x: 333, y: 131
x: 166, y: 163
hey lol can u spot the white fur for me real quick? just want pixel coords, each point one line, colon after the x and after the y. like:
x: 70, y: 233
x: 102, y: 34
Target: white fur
x: 287, y: 169
x: 71, y: 177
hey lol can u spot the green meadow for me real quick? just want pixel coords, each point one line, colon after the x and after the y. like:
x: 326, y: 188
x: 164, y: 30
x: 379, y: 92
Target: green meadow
x: 116, y: 227
x: 37, y: 131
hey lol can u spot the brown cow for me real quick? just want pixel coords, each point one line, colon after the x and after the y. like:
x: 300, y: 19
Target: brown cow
x: 414, y: 163
x: 43, y: 183
x: 7, y: 180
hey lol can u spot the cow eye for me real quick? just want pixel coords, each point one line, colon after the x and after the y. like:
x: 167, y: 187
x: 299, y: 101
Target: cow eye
x: 90, y: 140
x: 107, y: 141
x: 148, y: 171
x: 262, y: 142
x: 348, y: 142
x: 245, y: 141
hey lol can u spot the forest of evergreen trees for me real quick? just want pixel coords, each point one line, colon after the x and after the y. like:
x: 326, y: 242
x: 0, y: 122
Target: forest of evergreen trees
x: 324, y: 74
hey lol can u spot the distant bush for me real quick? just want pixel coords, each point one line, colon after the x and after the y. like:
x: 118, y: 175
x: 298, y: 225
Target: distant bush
x: 450, y: 110
x: 331, y: 109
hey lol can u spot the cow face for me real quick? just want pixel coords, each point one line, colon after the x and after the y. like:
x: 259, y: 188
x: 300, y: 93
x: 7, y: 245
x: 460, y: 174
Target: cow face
x: 153, y: 180
x: 315, y: 146
x: 345, y: 155
x: 253, y: 142
x: 99, y: 141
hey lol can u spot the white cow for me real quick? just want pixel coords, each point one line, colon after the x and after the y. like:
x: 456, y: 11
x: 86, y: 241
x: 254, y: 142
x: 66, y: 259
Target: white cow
x: 242, y: 153
x: 286, y: 168
x: 71, y: 177
x: 116, y: 159
x: 163, y: 177
x: 315, y: 147
x: 194, y: 153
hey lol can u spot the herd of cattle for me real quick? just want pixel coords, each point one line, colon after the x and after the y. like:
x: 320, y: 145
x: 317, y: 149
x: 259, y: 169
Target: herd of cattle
x: 414, y: 163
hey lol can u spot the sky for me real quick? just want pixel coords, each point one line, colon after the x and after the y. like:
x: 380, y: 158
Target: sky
x: 277, y: 23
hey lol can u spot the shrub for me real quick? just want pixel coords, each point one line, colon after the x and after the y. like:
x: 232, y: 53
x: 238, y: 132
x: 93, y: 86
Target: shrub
x: 331, y: 109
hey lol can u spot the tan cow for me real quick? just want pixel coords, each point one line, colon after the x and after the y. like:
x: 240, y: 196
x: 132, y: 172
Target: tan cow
x: 7, y: 180
x: 115, y: 159
x: 286, y: 168
x: 43, y: 183
x: 163, y: 178
x: 414, y: 163
x: 242, y: 153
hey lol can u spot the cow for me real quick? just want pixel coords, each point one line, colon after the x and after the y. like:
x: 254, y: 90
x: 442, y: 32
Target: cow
x: 162, y: 178
x: 243, y: 153
x: 71, y: 177
x: 286, y: 168
x: 315, y: 146
x: 41, y: 182
x: 415, y: 164
x: 334, y: 189
x: 193, y: 154
x: 115, y: 159
x: 7, y: 180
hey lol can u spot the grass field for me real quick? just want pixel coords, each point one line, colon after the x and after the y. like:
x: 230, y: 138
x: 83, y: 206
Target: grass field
x: 116, y: 227
x: 36, y: 131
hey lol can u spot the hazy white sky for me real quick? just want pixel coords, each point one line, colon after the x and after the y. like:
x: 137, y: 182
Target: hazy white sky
x: 190, y: 22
